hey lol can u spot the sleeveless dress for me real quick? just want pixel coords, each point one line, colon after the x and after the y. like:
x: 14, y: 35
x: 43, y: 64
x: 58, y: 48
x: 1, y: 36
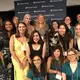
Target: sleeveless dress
x: 34, y: 52
x: 54, y: 66
x: 19, y: 74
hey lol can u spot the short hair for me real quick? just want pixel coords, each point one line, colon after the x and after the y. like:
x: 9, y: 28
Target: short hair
x: 73, y: 50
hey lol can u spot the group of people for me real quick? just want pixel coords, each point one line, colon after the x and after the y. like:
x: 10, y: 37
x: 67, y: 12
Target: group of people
x: 39, y: 51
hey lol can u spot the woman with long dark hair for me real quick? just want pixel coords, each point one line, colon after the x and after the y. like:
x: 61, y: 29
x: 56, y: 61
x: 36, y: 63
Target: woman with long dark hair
x: 37, y: 45
x: 66, y: 38
x: 7, y: 30
x: 53, y: 35
x: 18, y: 49
x: 54, y: 63
x: 38, y: 69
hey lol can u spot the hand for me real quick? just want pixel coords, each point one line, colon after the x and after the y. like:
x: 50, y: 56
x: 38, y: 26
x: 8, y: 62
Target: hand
x: 25, y: 62
x: 1, y: 56
x: 9, y: 65
x: 21, y: 65
x: 59, y: 73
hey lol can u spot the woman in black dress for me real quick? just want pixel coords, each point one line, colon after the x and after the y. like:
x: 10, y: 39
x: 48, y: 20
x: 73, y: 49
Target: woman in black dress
x: 66, y: 38
x: 37, y: 45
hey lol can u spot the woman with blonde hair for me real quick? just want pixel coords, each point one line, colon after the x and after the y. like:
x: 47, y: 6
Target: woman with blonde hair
x: 27, y: 20
x: 71, y: 69
x: 41, y: 25
x: 77, y: 37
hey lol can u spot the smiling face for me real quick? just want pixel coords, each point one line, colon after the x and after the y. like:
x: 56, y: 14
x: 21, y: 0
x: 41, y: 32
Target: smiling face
x: 21, y: 28
x: 77, y: 30
x: 37, y: 61
x: 8, y: 26
x: 41, y: 19
x: 15, y: 20
x: 27, y: 19
x: 36, y: 37
x: 68, y: 20
x: 71, y: 56
x: 62, y: 30
x: 56, y: 53
x: 55, y: 25
x: 78, y: 17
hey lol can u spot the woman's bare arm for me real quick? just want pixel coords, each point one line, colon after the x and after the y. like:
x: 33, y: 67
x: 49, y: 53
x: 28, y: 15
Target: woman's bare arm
x: 28, y: 53
x: 48, y: 66
x: 63, y: 76
x: 44, y: 50
x: 71, y: 43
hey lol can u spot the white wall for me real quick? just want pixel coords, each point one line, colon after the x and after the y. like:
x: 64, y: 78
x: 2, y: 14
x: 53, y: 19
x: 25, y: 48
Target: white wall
x: 73, y: 2
x: 6, y: 5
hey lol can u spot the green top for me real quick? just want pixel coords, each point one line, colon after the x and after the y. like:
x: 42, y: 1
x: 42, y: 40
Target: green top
x: 32, y: 77
x: 69, y: 75
x: 72, y: 31
x: 54, y: 66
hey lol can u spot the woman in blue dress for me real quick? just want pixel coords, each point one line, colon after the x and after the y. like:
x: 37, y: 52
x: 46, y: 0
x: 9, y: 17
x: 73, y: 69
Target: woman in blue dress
x: 71, y: 69
x: 54, y: 63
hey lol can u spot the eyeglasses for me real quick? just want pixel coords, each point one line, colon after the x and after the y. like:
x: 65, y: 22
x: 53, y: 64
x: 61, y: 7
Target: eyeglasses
x: 70, y: 55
